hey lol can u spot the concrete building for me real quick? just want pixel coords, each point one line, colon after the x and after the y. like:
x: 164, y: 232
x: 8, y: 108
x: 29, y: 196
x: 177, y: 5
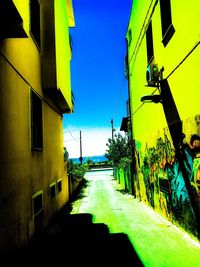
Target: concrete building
x: 35, y: 91
x: 163, y: 49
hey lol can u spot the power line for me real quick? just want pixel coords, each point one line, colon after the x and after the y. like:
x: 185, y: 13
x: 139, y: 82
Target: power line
x: 73, y: 138
x: 120, y: 98
x: 67, y: 130
x: 141, y: 30
x: 142, y: 103
x: 69, y: 140
x: 188, y: 54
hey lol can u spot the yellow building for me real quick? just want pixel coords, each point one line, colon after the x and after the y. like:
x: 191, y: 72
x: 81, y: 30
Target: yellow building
x: 35, y: 91
x: 163, y: 48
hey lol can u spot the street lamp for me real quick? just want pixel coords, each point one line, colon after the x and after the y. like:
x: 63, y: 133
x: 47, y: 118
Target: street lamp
x: 151, y: 98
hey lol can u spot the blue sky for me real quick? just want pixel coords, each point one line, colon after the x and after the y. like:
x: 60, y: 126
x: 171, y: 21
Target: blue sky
x: 97, y: 74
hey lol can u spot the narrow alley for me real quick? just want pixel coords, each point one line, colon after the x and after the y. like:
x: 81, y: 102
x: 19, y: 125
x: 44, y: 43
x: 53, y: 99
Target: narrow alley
x: 156, y: 241
x: 87, y: 86
x: 104, y: 226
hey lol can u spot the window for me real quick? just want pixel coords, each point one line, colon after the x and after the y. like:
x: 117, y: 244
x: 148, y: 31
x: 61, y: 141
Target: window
x: 126, y: 66
x: 128, y: 107
x: 11, y: 21
x: 37, y: 202
x: 59, y: 186
x: 149, y: 39
x: 35, y: 21
x: 52, y: 190
x: 36, y: 121
x: 129, y: 37
x: 166, y: 21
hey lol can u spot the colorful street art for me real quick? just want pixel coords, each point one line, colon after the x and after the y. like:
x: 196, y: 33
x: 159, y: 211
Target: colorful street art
x: 164, y: 183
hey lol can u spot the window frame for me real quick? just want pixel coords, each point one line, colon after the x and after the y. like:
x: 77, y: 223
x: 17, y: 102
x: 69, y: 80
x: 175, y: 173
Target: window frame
x: 35, y: 21
x: 129, y: 37
x: 34, y: 197
x: 52, y: 185
x: 36, y: 121
x: 149, y: 43
x: 168, y: 29
x: 59, y: 188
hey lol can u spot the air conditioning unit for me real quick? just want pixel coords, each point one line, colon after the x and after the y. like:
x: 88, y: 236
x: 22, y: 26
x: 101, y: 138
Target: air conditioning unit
x: 152, y: 74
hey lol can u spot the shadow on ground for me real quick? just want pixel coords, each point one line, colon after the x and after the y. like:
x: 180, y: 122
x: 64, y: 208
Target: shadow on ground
x: 74, y: 240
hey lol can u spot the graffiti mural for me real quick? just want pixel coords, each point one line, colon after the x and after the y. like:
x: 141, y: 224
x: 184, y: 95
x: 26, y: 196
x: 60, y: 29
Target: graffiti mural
x: 154, y: 173
x: 163, y: 179
x: 192, y: 165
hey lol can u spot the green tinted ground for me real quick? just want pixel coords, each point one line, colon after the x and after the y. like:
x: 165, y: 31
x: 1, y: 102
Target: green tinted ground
x: 157, y: 242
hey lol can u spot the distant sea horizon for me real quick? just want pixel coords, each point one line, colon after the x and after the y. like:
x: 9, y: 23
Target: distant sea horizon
x: 94, y: 159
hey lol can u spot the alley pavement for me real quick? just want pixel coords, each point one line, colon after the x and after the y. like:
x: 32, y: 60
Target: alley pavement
x: 105, y: 226
x: 157, y: 242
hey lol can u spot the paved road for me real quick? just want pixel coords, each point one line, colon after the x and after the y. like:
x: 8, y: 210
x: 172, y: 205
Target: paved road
x: 103, y: 226
x: 157, y: 242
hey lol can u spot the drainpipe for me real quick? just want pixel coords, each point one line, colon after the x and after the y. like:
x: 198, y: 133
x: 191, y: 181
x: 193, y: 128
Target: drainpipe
x: 133, y: 167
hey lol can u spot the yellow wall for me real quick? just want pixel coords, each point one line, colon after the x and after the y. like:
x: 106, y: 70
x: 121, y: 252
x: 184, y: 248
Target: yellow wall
x: 70, y: 13
x: 15, y: 171
x: 22, y: 53
x: 180, y: 59
x: 24, y: 171
x: 184, y: 82
x: 63, y: 52
x: 56, y: 55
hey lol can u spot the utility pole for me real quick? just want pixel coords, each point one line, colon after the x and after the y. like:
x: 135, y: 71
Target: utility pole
x: 81, y: 158
x: 112, y: 129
